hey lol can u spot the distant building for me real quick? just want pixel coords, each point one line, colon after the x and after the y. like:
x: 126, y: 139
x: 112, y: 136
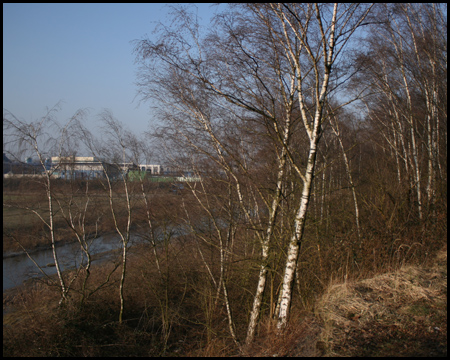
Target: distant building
x: 180, y: 171
x: 143, y: 171
x: 150, y: 169
x: 48, y: 163
x: 89, y: 167
x: 78, y: 167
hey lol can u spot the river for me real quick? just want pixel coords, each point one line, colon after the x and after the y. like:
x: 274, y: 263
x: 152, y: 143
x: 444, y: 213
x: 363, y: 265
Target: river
x: 19, y: 268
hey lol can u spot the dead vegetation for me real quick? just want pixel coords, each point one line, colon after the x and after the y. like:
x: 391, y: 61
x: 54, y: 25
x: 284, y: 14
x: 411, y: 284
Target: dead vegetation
x: 401, y: 313
x: 176, y: 310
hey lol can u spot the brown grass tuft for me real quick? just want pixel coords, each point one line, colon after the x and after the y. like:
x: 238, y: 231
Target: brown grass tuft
x: 397, y: 313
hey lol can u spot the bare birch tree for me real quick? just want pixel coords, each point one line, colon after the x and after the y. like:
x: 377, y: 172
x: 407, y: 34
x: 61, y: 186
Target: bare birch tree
x: 214, y: 145
x: 43, y: 138
x: 113, y: 152
x: 268, y: 64
x: 335, y: 126
x: 335, y: 28
x: 406, y: 65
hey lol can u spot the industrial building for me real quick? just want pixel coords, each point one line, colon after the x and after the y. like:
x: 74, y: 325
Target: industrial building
x: 150, y: 169
x: 77, y: 167
x: 87, y: 167
x: 90, y: 167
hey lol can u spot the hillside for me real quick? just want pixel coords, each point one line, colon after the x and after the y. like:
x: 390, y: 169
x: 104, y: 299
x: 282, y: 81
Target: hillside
x: 403, y: 313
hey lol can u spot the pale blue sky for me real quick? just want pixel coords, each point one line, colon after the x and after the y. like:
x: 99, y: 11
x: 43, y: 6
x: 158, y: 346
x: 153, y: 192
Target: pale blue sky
x: 78, y: 53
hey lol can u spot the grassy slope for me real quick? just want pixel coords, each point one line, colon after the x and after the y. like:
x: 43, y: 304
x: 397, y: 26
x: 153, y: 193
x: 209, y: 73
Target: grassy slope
x: 403, y: 313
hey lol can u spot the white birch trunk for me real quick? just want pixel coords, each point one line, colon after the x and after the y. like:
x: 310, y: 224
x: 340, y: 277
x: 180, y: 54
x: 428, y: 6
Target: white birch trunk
x: 150, y: 227
x: 53, y: 240
x: 266, y: 242
x: 124, y: 237
x: 294, y: 244
x: 313, y: 129
x: 398, y: 44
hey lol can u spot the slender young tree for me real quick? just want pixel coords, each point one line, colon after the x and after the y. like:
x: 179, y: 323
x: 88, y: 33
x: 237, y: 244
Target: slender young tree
x: 334, y: 123
x: 43, y: 138
x: 113, y: 151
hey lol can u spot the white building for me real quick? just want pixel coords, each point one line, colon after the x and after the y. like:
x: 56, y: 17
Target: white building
x: 80, y: 167
x: 152, y: 169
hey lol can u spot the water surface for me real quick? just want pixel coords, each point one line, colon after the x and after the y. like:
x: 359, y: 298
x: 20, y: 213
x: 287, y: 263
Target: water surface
x: 17, y: 269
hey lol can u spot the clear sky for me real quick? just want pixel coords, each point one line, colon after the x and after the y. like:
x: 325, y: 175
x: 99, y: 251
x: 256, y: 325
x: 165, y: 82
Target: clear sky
x: 80, y: 54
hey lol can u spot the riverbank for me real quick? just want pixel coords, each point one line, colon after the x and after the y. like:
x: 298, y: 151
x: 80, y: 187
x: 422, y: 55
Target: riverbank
x: 42, y: 247
x: 399, y: 313
x: 20, y: 267
x: 35, y: 283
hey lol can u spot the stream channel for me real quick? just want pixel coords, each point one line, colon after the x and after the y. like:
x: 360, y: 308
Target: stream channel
x: 19, y: 268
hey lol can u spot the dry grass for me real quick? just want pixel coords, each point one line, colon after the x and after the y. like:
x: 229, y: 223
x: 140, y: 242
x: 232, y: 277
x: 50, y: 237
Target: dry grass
x: 298, y: 340
x: 398, y: 313
x: 174, y: 312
